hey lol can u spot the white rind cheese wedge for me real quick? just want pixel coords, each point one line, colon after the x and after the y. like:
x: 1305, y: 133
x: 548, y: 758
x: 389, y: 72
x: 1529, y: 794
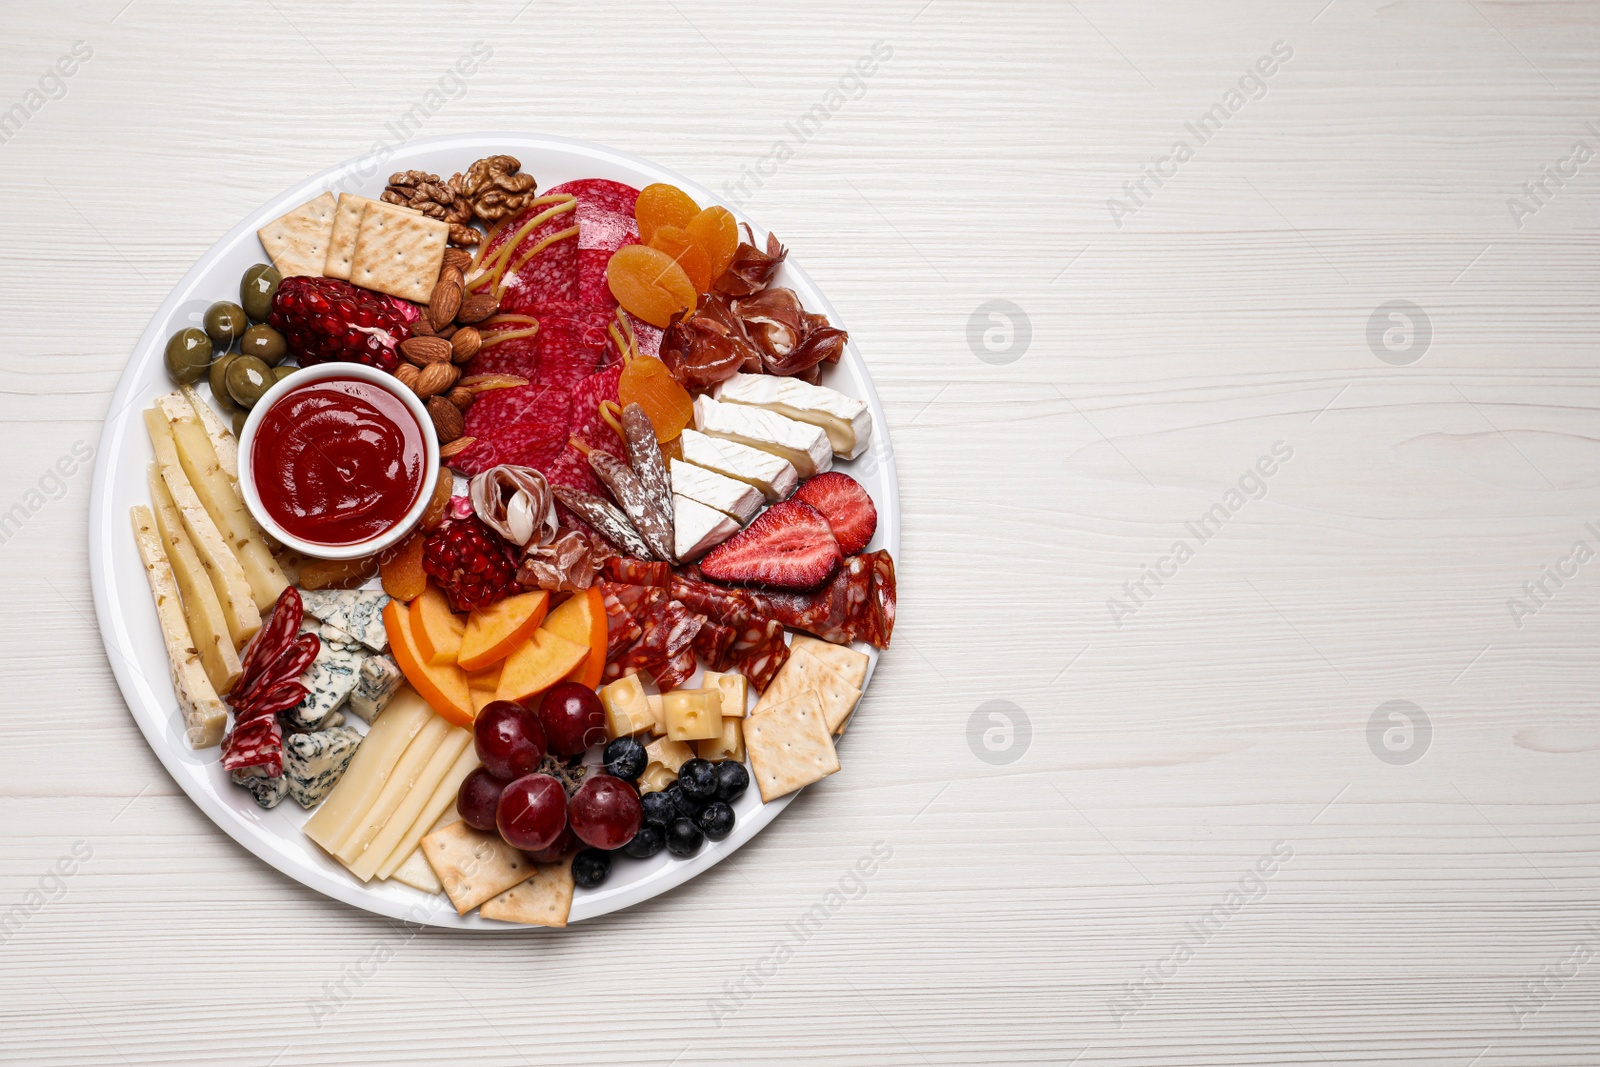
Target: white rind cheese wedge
x: 844, y: 419
x: 773, y: 475
x: 697, y: 529
x: 802, y: 444
x: 738, y: 500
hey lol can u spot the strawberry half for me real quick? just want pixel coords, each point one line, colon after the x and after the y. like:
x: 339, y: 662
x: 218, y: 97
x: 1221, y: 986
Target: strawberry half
x: 789, y: 546
x: 846, y: 506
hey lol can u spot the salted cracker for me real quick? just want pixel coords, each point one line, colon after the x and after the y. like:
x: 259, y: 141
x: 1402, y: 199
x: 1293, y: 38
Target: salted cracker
x: 298, y: 241
x: 473, y: 866
x: 543, y: 900
x: 346, y: 224
x: 804, y: 672
x: 847, y: 661
x: 398, y: 253
x: 790, y: 746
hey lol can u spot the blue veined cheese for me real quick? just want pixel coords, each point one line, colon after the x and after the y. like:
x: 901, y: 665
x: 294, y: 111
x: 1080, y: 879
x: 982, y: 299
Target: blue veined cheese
x: 845, y: 420
x: 331, y: 678
x: 328, y: 633
x: 802, y: 444
x: 379, y: 681
x: 738, y: 500
x: 313, y: 763
x: 268, y: 792
x: 358, y: 612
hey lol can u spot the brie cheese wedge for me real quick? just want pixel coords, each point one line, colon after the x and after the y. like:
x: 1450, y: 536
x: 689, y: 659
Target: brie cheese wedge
x: 773, y: 475
x: 844, y: 419
x: 735, y: 499
x: 802, y: 444
x: 697, y: 529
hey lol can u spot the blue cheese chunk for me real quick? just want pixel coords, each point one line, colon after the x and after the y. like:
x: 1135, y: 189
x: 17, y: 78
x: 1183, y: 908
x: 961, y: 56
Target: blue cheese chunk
x: 314, y: 762
x: 331, y: 678
x: 328, y: 633
x: 379, y: 681
x: 268, y: 792
x: 358, y: 612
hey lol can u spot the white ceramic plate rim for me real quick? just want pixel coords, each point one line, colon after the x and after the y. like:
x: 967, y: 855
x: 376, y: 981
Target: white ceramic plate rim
x: 121, y: 596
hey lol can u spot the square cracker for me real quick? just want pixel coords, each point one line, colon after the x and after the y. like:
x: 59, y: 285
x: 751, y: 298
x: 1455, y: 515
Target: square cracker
x: 790, y: 746
x: 543, y: 900
x: 298, y: 241
x: 804, y: 672
x: 346, y: 224
x: 473, y: 866
x: 852, y: 665
x: 398, y: 253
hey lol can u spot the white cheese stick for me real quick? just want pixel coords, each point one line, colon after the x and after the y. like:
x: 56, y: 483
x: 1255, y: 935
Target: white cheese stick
x: 385, y: 743
x: 395, y: 827
x: 405, y: 774
x: 800, y: 443
x: 845, y: 420
x: 774, y: 476
x: 208, y: 626
x: 440, y: 805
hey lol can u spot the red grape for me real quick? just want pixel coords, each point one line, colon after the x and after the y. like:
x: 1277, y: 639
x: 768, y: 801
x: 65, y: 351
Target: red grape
x: 476, y: 801
x: 532, y: 812
x: 605, y: 812
x: 565, y: 844
x: 573, y: 718
x: 509, y: 740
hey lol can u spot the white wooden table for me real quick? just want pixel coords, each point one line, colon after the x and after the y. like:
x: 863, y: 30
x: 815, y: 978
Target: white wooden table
x: 1215, y: 840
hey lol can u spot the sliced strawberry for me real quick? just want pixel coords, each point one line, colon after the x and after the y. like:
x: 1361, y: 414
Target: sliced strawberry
x: 847, y: 507
x: 789, y: 547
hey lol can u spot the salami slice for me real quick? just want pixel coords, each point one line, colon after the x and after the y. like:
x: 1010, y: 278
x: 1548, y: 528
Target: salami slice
x: 714, y: 644
x: 255, y: 744
x: 622, y: 629
x: 605, y: 224
x: 518, y: 355
x: 857, y: 605
x: 573, y: 344
x: 677, y: 671
x: 535, y: 275
x: 760, y: 652
x: 637, y: 571
x: 526, y: 426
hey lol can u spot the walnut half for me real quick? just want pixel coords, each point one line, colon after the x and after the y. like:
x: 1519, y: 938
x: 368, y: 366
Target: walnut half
x: 494, y: 187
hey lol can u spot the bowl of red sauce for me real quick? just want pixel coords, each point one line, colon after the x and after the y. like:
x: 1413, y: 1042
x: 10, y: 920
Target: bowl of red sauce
x: 338, y: 461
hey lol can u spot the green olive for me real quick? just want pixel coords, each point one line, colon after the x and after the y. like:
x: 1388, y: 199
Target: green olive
x: 247, y: 378
x: 225, y: 321
x: 256, y: 290
x: 265, y: 343
x: 219, y: 382
x: 188, y: 355
x: 280, y: 373
x: 239, y: 416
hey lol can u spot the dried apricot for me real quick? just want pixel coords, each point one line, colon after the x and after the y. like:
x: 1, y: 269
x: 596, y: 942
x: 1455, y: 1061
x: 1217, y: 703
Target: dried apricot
x: 400, y: 568
x: 649, y: 283
x: 337, y: 573
x: 717, y: 234
x: 442, y: 489
x: 662, y: 205
x: 676, y: 242
x: 646, y: 381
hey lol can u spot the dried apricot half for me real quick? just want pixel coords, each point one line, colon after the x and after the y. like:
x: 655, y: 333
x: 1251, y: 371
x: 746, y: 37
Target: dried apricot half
x: 647, y: 382
x: 662, y: 205
x: 649, y: 283
x: 717, y: 234
x: 676, y: 242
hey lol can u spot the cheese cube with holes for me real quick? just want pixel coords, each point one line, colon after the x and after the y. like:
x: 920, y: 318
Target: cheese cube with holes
x: 735, y: 690
x: 692, y: 714
x: 729, y: 744
x: 627, y: 710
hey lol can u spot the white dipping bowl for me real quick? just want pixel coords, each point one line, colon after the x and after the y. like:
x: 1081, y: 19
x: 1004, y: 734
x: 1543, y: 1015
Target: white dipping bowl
x: 299, y: 380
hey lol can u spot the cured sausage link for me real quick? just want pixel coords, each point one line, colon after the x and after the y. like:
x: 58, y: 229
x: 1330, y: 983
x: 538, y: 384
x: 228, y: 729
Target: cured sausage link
x: 653, y: 524
x: 607, y: 521
x: 644, y: 455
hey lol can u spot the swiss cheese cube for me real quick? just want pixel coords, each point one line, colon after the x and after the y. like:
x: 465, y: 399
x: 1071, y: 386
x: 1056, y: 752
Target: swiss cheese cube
x: 735, y: 690
x: 692, y: 714
x: 627, y: 711
x: 729, y: 744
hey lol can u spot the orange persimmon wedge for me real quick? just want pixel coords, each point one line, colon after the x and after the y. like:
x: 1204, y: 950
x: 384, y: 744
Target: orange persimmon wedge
x: 538, y: 663
x: 582, y: 620
x: 438, y: 629
x: 495, y: 631
x: 649, y: 284
x: 444, y: 688
x: 482, y: 686
x: 661, y: 205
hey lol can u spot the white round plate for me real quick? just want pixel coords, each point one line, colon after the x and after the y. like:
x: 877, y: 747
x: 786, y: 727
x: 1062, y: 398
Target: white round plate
x: 122, y: 597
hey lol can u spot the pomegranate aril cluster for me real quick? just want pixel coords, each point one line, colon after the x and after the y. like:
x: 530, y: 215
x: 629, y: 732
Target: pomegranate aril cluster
x: 469, y: 562
x: 326, y: 320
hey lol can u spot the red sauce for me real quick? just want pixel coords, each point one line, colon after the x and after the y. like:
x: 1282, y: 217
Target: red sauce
x: 339, y: 461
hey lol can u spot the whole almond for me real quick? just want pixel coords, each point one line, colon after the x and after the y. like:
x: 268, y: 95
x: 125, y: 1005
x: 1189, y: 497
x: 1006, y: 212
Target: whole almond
x: 425, y: 350
x: 407, y: 373
x: 461, y: 398
x: 459, y: 258
x: 464, y: 344
x: 448, y: 332
x: 422, y: 327
x: 456, y: 447
x: 444, y: 303
x: 477, y: 308
x: 436, y: 379
x: 446, y: 418
x: 453, y: 275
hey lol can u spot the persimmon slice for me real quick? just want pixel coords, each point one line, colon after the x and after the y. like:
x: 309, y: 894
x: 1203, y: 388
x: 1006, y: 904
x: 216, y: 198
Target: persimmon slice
x: 662, y: 205
x: 649, y: 283
x: 717, y: 234
x: 676, y: 242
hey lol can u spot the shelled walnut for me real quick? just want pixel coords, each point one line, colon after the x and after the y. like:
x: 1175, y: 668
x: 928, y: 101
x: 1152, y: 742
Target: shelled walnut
x: 494, y: 187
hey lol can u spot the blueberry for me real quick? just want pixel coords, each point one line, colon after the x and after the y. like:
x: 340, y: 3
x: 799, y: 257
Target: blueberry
x: 647, y: 842
x: 659, y: 811
x: 716, y: 820
x: 732, y: 780
x: 687, y: 806
x: 684, y: 838
x: 590, y: 867
x: 698, y: 779
x: 625, y: 758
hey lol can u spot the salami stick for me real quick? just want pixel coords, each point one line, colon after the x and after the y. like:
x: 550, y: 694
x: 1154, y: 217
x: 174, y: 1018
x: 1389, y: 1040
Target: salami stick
x: 644, y: 455
x: 607, y: 521
x: 654, y: 525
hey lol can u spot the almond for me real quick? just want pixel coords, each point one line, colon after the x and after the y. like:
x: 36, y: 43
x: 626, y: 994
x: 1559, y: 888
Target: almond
x: 425, y: 350
x: 422, y: 327
x: 458, y: 258
x: 407, y: 373
x: 456, y: 447
x: 446, y: 418
x: 444, y: 303
x: 436, y: 378
x: 477, y: 308
x: 461, y: 398
x: 464, y: 344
